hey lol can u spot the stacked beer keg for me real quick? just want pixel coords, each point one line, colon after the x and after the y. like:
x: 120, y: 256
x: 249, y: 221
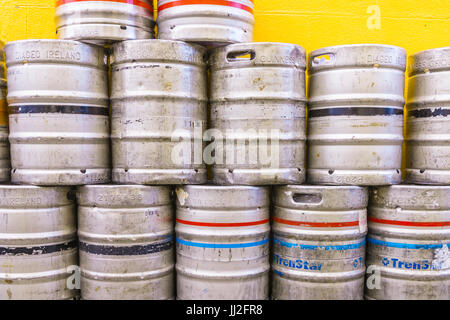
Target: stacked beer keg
x: 195, y: 144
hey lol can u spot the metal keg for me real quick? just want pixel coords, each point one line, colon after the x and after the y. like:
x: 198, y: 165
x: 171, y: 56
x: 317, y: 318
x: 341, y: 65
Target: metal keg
x: 105, y: 21
x: 222, y: 243
x: 210, y: 23
x: 356, y: 99
x: 319, y: 242
x: 409, y: 243
x: 158, y: 112
x: 58, y: 112
x: 428, y: 121
x: 5, y: 166
x: 258, y: 108
x: 38, y: 247
x: 126, y: 242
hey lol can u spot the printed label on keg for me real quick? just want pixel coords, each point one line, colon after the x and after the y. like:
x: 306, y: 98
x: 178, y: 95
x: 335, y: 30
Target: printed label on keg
x: 139, y: 3
x: 3, y: 113
x: 246, y: 5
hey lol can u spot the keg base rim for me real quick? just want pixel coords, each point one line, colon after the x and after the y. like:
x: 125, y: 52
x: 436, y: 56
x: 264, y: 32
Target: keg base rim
x: 109, y: 33
x: 159, y: 176
x: 60, y: 177
x: 428, y: 177
x: 354, y: 177
x: 251, y: 177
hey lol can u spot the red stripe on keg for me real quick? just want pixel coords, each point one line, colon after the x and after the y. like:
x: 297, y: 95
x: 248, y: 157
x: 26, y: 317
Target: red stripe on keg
x: 208, y: 2
x: 223, y: 225
x: 410, y: 223
x: 317, y: 224
x: 138, y: 3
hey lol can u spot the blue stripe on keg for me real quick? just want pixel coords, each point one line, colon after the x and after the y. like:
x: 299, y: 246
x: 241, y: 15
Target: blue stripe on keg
x: 403, y: 245
x: 222, y: 246
x: 343, y: 247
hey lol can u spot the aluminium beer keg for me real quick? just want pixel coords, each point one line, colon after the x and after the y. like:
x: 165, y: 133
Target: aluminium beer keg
x: 5, y: 165
x: 126, y: 242
x: 428, y: 118
x: 222, y: 238
x: 58, y: 112
x: 258, y: 107
x: 106, y: 21
x: 38, y: 247
x: 158, y: 112
x: 356, y: 100
x: 319, y: 242
x: 408, y: 245
x: 208, y: 22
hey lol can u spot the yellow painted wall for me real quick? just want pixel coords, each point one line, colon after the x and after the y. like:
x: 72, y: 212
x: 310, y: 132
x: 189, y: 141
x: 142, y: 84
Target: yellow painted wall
x: 413, y: 24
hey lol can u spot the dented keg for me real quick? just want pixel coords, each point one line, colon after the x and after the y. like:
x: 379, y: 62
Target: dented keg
x: 258, y: 108
x: 5, y: 166
x: 408, y: 256
x: 356, y: 99
x: 105, y: 21
x: 38, y: 247
x: 158, y: 112
x: 428, y: 122
x: 58, y: 105
x: 126, y: 242
x: 210, y: 23
x: 319, y: 243
x: 222, y: 243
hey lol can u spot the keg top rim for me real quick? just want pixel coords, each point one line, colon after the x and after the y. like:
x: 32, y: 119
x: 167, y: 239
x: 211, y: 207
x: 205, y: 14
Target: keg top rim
x: 52, y: 41
x: 27, y: 187
x: 323, y: 187
x: 137, y: 41
x: 413, y: 187
x: 260, y: 43
x: 357, y: 56
x: 112, y: 186
x: 222, y: 188
x: 359, y: 45
x: 419, y: 53
x: 431, y: 59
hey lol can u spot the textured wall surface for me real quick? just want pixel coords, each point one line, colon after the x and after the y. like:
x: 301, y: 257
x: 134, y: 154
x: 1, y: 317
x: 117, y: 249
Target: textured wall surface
x: 413, y: 24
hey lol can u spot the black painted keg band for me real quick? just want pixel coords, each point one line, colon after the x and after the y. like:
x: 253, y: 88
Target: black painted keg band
x: 84, y: 110
x: 127, y: 250
x: 355, y: 111
x: 38, y: 250
x: 429, y: 113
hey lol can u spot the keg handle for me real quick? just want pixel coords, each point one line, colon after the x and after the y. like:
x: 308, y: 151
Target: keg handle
x: 307, y: 198
x: 241, y: 55
x: 324, y: 59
